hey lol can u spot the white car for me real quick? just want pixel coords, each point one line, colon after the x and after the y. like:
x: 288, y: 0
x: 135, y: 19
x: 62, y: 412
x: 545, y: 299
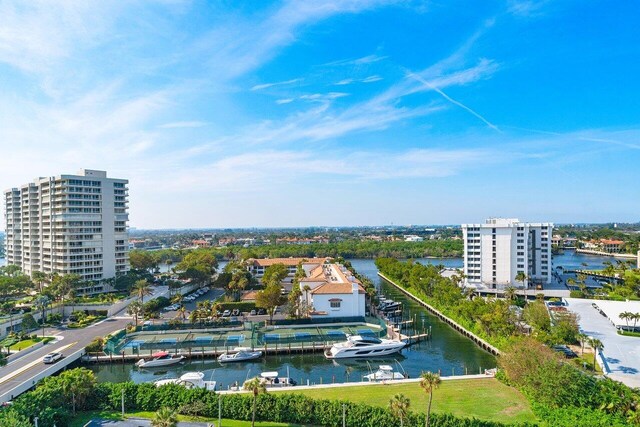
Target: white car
x: 52, y: 358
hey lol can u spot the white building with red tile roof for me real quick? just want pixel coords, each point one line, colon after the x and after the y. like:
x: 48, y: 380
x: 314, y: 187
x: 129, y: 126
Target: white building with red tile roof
x: 332, y: 291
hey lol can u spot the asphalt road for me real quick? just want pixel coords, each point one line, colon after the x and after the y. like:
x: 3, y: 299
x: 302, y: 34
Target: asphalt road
x: 67, y: 341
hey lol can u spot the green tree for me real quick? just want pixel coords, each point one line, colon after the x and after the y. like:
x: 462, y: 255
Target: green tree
x: 275, y: 274
x: 142, y: 260
x: 522, y: 278
x: 64, y: 287
x: 198, y: 266
x: 399, y: 407
x: 596, y: 345
x: 429, y: 382
x: 269, y: 299
x: 77, y: 386
x: 28, y: 322
x: 255, y: 386
x: 10, y: 418
x: 39, y: 277
x: 510, y: 294
x: 135, y: 309
x: 165, y: 417
x: 141, y: 289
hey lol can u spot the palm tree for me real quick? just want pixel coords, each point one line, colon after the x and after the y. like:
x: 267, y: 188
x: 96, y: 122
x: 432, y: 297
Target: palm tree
x: 597, y: 345
x: 306, y: 289
x: 255, y: 386
x: 141, y: 289
x: 635, y: 317
x: 182, y: 313
x: 165, y: 417
x: 39, y: 277
x: 522, y: 278
x: 626, y: 316
x: 176, y: 299
x: 583, y: 338
x: 429, y: 382
x: 510, y: 293
x: 399, y: 406
x: 135, y: 309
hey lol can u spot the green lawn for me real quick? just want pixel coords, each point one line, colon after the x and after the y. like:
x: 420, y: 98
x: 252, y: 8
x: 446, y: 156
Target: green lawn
x: 85, y: 417
x: 485, y: 399
x: 21, y: 345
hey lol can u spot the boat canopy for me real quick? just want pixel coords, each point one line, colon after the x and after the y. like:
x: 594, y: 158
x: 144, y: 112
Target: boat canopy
x: 271, y: 374
x: 160, y: 354
x: 192, y: 376
x: 386, y: 368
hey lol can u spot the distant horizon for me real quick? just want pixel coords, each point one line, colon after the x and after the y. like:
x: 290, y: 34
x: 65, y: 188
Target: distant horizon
x: 381, y: 226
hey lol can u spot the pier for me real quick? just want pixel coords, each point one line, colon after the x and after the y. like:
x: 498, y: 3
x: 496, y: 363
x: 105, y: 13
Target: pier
x: 479, y: 341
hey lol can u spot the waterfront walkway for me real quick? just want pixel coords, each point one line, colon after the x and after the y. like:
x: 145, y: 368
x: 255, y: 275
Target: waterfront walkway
x: 621, y: 353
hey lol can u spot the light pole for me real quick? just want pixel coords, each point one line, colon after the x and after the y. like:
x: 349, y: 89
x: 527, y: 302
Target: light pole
x: 35, y: 421
x: 122, y: 397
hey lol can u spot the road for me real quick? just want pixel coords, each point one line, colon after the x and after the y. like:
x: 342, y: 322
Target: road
x: 621, y: 353
x: 67, y: 341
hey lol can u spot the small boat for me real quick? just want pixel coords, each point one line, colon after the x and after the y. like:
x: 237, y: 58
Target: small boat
x: 391, y: 306
x: 189, y: 380
x: 161, y: 358
x: 242, y: 355
x: 360, y: 346
x: 272, y: 380
x: 384, y: 373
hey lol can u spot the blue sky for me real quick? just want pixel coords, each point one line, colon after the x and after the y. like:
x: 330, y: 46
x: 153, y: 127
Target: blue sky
x: 331, y: 112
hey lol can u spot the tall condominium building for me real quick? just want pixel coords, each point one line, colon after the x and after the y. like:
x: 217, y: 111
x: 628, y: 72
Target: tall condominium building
x: 69, y: 224
x: 496, y: 251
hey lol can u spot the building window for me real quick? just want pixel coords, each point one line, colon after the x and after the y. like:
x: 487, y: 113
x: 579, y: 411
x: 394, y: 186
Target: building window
x: 335, y: 303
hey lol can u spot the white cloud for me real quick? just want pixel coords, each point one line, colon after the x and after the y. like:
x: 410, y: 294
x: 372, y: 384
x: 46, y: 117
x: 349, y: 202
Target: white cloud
x: 284, y: 101
x: 268, y: 85
x: 185, y: 124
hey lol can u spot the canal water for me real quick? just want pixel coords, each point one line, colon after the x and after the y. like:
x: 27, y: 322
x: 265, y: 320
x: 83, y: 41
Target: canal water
x: 448, y: 352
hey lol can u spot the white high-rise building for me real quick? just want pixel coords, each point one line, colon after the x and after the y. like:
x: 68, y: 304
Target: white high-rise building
x: 496, y: 251
x: 69, y: 224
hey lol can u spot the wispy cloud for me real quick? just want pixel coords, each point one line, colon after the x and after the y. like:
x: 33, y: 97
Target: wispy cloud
x: 284, y: 101
x: 268, y: 85
x: 370, y: 79
x: 186, y: 124
x: 526, y: 8
x: 453, y: 101
x: 369, y: 59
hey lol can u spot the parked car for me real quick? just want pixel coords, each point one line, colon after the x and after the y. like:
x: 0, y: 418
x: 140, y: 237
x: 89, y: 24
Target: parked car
x: 226, y: 313
x: 262, y: 311
x: 52, y: 358
x: 252, y: 313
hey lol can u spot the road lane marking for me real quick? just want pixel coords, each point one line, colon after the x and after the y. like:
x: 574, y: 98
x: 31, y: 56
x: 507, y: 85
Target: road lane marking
x: 33, y: 364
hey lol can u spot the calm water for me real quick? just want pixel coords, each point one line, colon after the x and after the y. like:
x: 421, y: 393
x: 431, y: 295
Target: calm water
x: 448, y: 352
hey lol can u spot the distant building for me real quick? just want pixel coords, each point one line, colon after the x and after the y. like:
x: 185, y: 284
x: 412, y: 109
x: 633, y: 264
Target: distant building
x: 611, y: 246
x: 331, y: 290
x: 200, y: 243
x: 496, y: 251
x: 413, y: 238
x: 69, y: 224
x: 257, y: 267
x: 301, y: 240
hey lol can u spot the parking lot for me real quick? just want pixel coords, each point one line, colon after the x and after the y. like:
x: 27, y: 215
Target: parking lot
x: 621, y: 353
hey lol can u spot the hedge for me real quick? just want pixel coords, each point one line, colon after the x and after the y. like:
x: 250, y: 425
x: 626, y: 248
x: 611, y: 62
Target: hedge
x: 243, y: 306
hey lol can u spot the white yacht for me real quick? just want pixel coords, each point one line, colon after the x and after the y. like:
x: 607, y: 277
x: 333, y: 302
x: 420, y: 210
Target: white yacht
x: 384, y: 373
x: 189, y: 380
x: 359, y: 346
x: 161, y: 358
x: 241, y: 355
x: 272, y: 380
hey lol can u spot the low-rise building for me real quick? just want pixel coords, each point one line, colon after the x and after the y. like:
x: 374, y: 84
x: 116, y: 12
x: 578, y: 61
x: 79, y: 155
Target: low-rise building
x: 612, y: 246
x: 330, y: 290
x: 257, y: 267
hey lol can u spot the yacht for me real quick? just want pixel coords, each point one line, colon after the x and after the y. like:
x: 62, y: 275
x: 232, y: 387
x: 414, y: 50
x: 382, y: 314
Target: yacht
x: 384, y: 373
x: 161, y: 358
x: 242, y: 355
x: 359, y: 346
x: 189, y: 380
x: 272, y: 380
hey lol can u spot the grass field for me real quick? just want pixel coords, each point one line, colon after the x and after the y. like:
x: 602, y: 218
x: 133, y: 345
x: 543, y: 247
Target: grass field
x: 24, y: 344
x: 485, y: 399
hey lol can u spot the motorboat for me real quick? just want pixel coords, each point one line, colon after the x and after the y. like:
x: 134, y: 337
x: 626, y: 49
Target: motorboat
x: 161, y: 358
x: 390, y: 306
x: 189, y: 380
x: 361, y: 346
x: 272, y: 379
x: 384, y: 373
x: 241, y: 355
